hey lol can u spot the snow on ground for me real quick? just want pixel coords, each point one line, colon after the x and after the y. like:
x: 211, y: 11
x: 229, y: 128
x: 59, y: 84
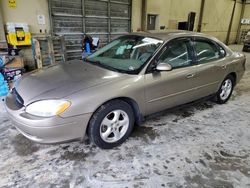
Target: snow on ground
x: 197, y: 145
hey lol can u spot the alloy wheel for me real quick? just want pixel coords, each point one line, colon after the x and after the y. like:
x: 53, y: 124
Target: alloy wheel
x: 226, y: 89
x: 114, y: 126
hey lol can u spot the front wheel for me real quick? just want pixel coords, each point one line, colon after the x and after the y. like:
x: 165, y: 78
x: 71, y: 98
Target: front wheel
x: 111, y: 124
x: 226, y: 89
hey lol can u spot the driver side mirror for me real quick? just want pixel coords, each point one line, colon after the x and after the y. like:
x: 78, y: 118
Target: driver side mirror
x: 222, y: 53
x: 163, y: 67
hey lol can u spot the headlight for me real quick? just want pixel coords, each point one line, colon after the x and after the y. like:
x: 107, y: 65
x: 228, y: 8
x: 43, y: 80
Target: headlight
x: 47, y: 108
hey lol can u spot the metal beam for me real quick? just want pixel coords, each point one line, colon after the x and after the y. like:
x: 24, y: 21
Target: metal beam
x: 130, y: 16
x: 239, y: 26
x: 144, y: 15
x: 201, y: 15
x: 50, y: 19
x: 83, y: 17
x: 230, y: 23
x: 109, y: 21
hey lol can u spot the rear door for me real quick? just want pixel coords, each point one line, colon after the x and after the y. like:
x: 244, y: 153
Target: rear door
x: 210, y: 68
x: 170, y: 88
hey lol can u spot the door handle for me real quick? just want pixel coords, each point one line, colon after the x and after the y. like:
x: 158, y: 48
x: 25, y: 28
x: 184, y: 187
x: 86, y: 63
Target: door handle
x: 223, y: 66
x: 190, y: 76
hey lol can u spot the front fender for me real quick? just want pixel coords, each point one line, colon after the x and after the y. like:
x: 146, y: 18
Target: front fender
x: 89, y: 100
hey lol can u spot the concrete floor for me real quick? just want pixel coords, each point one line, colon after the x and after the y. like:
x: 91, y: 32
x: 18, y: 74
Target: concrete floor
x: 199, y: 145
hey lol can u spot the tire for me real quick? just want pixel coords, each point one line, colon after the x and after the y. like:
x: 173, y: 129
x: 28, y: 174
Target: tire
x: 226, y: 90
x: 111, y: 124
x: 244, y: 49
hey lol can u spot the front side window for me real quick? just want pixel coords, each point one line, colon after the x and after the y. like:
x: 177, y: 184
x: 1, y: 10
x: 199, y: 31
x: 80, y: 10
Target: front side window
x: 126, y: 54
x: 206, y: 51
x: 176, y: 54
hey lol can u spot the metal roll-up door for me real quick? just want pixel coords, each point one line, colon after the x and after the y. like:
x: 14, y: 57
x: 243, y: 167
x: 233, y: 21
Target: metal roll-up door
x: 96, y: 19
x: 105, y: 19
x: 120, y: 14
x: 67, y: 20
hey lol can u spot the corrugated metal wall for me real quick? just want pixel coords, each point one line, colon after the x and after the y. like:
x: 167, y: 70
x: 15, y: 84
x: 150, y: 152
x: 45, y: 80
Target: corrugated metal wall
x: 106, y: 19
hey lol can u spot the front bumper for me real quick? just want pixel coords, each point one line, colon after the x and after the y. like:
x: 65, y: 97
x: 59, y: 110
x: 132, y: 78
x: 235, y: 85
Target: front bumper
x: 46, y: 130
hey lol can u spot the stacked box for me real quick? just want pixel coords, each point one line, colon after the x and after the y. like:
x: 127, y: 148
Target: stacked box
x: 14, y: 69
x: 11, y: 74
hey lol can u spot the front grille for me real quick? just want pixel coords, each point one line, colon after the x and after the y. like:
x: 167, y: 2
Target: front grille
x: 18, y: 99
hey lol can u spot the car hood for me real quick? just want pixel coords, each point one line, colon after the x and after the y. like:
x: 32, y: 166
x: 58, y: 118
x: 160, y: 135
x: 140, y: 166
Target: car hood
x: 62, y: 80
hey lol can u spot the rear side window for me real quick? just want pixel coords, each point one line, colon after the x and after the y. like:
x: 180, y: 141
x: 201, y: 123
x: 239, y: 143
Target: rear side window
x: 206, y: 51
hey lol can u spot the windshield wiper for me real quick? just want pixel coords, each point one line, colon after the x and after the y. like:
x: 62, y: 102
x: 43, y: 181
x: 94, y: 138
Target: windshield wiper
x: 91, y: 61
x: 98, y: 63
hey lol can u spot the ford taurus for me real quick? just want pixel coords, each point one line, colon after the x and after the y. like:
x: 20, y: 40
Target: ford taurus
x: 117, y: 86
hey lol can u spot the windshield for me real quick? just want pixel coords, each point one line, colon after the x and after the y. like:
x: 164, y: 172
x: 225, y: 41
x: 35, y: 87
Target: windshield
x: 125, y: 54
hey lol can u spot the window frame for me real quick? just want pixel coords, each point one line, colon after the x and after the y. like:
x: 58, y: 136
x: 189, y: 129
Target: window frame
x: 188, y: 39
x: 207, y: 40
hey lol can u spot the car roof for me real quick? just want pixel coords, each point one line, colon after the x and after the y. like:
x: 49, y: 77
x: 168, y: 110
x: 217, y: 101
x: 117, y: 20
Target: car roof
x: 168, y: 34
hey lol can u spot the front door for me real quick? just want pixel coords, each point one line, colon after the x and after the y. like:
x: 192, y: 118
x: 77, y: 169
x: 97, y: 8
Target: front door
x: 166, y: 89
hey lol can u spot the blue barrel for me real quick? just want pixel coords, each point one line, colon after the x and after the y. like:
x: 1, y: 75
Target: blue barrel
x: 4, y: 88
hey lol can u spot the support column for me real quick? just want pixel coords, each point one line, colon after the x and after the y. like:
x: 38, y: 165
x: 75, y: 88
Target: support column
x: 83, y: 18
x: 144, y: 15
x: 239, y: 26
x: 109, y: 21
x: 201, y: 15
x: 230, y: 23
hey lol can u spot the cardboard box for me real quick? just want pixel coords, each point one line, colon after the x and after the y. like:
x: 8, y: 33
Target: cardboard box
x: 17, y: 62
x: 12, y: 74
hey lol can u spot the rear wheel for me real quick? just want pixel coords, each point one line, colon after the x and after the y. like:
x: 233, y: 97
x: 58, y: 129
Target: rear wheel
x: 226, y: 89
x: 111, y: 124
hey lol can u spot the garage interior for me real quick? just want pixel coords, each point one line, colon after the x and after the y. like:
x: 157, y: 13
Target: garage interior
x: 201, y: 144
